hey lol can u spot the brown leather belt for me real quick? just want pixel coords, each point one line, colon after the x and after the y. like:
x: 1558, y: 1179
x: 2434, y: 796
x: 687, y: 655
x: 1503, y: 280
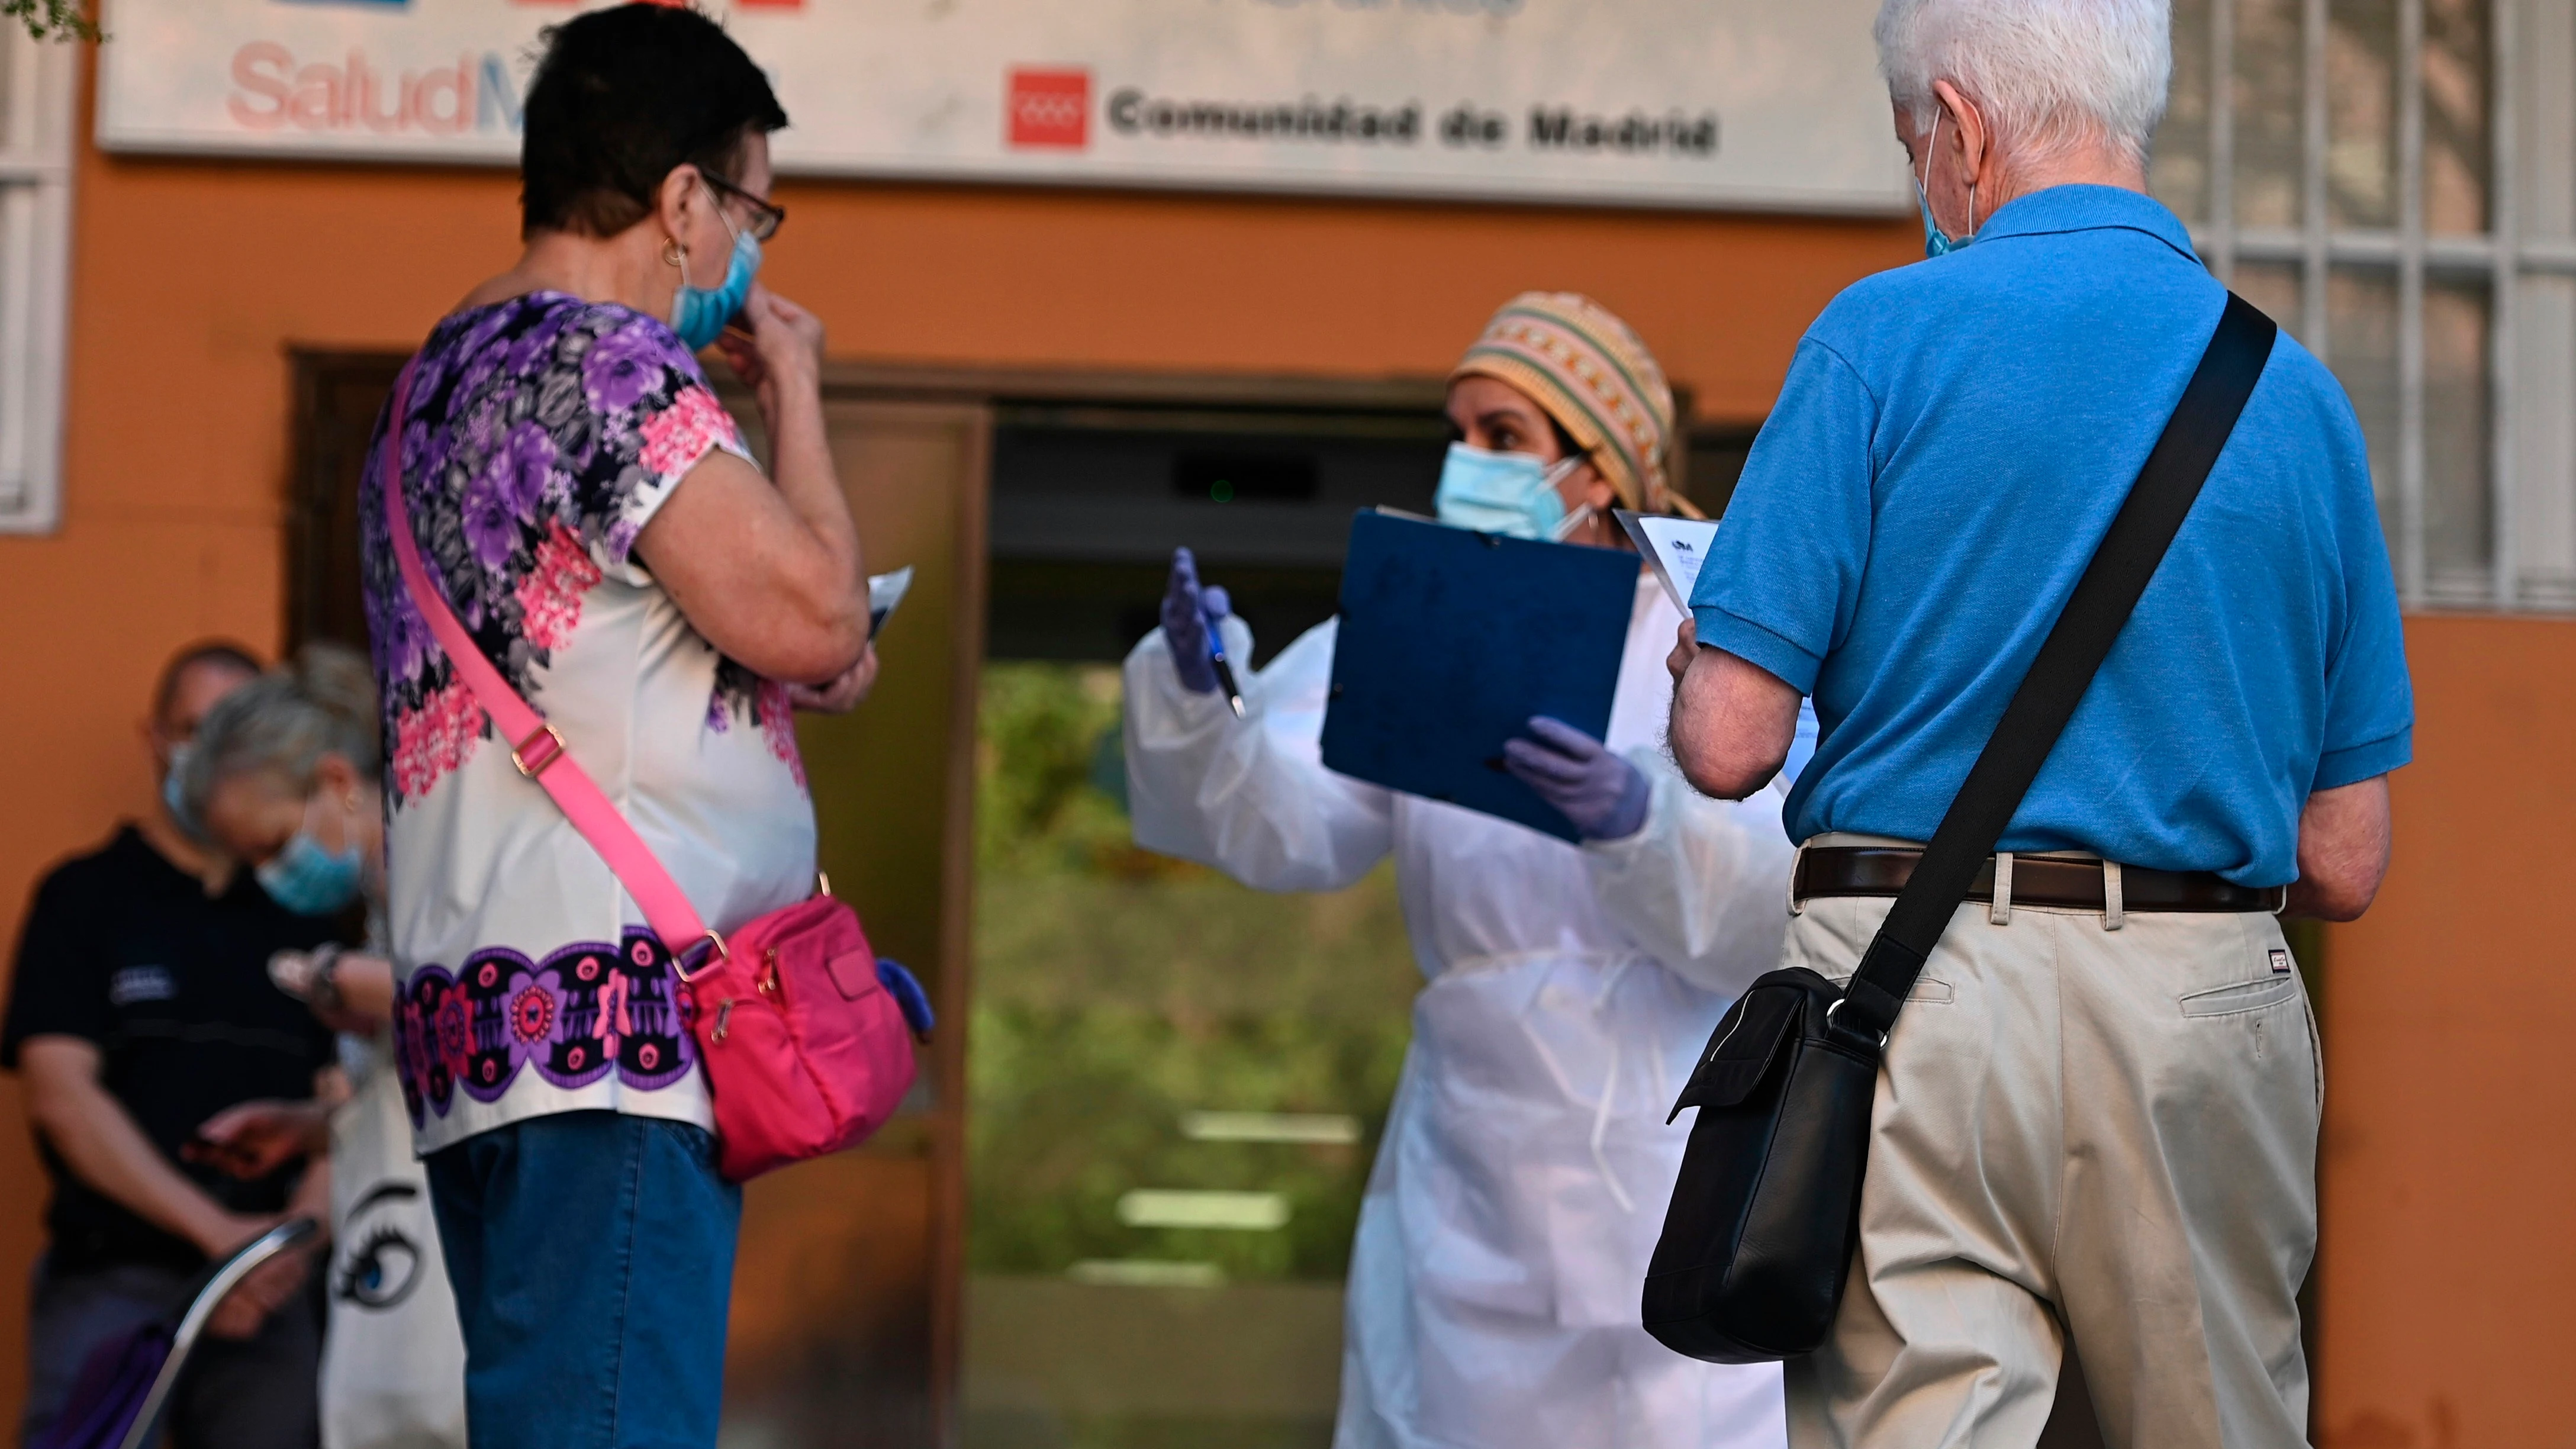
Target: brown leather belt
x: 1873, y: 870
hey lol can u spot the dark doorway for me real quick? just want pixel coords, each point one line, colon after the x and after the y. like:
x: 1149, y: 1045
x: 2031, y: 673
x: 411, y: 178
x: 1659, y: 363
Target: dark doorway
x: 337, y: 398
x: 1090, y: 501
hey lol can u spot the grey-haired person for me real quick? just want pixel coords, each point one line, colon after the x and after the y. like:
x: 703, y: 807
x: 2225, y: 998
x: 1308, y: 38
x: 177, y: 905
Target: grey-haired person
x: 2096, y: 1125
x: 285, y: 777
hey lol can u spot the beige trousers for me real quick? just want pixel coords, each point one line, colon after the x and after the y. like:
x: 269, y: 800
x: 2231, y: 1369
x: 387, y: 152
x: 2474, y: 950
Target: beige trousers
x: 2081, y: 1133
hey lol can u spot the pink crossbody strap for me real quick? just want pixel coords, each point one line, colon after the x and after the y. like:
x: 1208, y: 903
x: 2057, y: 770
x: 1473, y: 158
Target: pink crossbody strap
x: 538, y: 751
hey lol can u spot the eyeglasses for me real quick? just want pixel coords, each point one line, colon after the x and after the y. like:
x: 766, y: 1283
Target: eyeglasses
x: 766, y: 216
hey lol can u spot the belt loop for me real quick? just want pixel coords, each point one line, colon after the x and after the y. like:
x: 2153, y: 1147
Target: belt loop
x: 1797, y: 862
x: 2000, y: 912
x: 2114, y: 911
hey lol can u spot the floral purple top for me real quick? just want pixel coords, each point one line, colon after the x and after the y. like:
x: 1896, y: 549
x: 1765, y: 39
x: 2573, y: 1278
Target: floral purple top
x: 542, y: 435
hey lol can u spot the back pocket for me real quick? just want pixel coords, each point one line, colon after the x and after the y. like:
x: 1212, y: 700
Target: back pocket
x: 2242, y: 996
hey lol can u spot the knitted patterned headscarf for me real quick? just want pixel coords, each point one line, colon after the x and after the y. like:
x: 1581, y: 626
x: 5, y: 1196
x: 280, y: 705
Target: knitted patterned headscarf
x: 1587, y: 370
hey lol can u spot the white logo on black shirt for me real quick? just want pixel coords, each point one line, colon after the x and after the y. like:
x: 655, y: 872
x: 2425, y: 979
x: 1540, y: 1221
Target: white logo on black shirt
x: 141, y: 983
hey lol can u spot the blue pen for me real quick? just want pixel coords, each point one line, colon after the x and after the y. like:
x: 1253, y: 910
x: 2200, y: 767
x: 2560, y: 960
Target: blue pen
x: 1224, y: 671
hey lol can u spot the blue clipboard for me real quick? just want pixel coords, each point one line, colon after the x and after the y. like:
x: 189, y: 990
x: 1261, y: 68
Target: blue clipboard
x: 1450, y: 640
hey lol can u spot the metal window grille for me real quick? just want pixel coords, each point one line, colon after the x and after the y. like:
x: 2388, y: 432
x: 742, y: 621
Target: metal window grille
x: 2395, y: 180
x: 36, y: 87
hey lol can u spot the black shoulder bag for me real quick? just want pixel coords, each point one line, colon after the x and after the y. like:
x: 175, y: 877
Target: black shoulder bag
x: 1766, y: 1213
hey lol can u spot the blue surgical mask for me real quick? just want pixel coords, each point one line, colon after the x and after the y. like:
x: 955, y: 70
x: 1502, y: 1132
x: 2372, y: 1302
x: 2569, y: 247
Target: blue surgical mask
x: 1936, y: 242
x: 699, y: 314
x: 1513, y: 494
x: 309, y: 880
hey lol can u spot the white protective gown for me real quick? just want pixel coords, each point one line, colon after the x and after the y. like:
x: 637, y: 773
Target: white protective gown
x: 1526, y: 1164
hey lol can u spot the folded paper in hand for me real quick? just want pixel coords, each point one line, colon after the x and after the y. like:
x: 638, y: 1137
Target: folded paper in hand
x: 1674, y: 548
x: 884, y: 592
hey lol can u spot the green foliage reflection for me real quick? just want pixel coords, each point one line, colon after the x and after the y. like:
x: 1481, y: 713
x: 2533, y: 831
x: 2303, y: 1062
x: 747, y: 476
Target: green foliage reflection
x: 1116, y: 990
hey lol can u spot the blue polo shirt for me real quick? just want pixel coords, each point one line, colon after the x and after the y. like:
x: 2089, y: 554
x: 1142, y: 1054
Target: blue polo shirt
x: 1951, y: 443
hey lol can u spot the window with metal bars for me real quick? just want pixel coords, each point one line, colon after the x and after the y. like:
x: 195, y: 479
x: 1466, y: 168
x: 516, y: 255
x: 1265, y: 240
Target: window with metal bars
x: 36, y: 85
x: 2395, y: 181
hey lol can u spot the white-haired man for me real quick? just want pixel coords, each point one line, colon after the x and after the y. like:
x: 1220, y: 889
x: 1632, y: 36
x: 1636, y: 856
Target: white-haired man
x: 2097, y: 1121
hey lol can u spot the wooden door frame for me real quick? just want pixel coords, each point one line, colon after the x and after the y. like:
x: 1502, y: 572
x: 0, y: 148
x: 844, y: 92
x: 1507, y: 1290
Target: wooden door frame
x: 992, y: 389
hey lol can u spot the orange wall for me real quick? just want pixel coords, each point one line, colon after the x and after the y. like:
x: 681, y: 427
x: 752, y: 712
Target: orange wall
x: 2449, y: 1265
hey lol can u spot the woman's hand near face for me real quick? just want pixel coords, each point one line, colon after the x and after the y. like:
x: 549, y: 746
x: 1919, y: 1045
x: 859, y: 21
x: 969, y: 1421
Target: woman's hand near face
x: 782, y: 353
x: 769, y: 569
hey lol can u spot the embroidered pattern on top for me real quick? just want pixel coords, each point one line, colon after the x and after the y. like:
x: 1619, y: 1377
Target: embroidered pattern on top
x: 585, y: 1011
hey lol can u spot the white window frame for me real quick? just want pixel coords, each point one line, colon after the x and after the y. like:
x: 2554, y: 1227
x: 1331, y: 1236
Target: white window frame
x: 35, y: 274
x: 2525, y: 487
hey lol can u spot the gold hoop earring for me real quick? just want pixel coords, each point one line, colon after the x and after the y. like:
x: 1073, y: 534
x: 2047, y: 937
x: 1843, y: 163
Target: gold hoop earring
x: 674, y: 254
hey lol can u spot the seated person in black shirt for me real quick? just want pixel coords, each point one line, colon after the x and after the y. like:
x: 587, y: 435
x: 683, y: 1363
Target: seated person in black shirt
x: 140, y: 1006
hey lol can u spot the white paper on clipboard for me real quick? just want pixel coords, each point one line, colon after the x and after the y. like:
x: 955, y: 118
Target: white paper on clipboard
x: 1673, y: 547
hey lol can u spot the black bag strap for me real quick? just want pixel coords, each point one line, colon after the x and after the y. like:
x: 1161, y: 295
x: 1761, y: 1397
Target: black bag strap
x: 2073, y: 652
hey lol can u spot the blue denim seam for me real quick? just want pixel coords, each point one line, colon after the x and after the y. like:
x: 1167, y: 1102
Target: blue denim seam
x: 636, y: 1147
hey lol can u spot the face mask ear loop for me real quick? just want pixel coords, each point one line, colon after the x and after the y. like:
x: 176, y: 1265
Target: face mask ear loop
x: 1557, y: 472
x: 676, y: 257
x: 716, y: 203
x: 1923, y: 183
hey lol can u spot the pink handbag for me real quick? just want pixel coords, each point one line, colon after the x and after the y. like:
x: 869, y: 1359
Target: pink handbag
x: 803, y: 1030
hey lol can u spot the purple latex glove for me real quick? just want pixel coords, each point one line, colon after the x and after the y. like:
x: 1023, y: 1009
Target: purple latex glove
x: 1603, y: 794
x: 1189, y: 612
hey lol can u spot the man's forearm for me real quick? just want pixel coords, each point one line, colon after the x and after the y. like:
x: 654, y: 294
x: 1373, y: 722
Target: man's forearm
x: 103, y: 1147
x: 2344, y: 840
x: 1732, y: 721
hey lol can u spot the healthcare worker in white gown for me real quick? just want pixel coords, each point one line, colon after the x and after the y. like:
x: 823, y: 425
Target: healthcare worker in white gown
x: 1526, y: 1162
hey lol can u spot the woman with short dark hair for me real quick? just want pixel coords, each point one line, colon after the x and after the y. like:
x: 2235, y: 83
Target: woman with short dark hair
x: 592, y: 516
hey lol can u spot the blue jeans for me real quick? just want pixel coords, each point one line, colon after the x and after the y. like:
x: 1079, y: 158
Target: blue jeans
x: 592, y: 1254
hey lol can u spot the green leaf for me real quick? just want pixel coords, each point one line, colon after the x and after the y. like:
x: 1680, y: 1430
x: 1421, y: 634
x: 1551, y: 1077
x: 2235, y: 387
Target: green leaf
x: 51, y: 19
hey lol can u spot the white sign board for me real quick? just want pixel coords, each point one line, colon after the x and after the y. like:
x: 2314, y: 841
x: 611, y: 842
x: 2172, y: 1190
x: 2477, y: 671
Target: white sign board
x: 1695, y: 103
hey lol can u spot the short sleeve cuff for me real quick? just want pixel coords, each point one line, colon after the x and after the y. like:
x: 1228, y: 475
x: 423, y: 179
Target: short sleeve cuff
x: 1758, y: 646
x: 2351, y: 766
x: 676, y: 439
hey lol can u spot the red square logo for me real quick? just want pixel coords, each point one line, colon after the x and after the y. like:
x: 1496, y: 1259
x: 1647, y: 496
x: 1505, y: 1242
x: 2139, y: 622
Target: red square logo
x: 1050, y: 108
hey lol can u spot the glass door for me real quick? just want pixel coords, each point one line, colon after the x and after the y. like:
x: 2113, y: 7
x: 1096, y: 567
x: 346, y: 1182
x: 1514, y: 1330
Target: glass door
x: 1175, y: 1084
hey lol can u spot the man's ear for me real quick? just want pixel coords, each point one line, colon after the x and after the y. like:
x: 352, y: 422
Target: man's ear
x: 1968, y: 128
